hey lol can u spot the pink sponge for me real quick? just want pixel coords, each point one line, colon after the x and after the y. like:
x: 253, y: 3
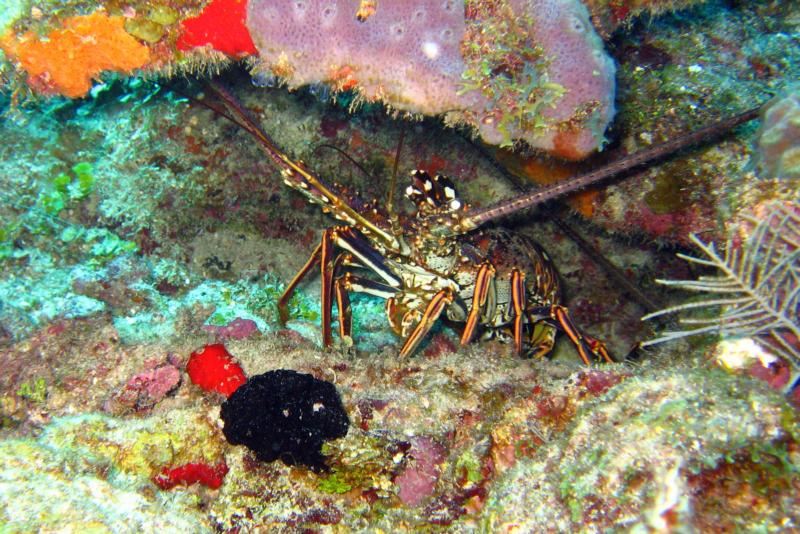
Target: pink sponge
x: 532, y: 70
x: 779, y: 137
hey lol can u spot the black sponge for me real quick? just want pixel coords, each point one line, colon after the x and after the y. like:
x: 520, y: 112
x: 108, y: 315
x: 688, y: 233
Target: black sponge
x: 285, y: 415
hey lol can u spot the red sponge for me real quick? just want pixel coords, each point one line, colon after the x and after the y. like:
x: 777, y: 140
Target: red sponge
x: 192, y: 473
x: 214, y: 369
x: 220, y: 25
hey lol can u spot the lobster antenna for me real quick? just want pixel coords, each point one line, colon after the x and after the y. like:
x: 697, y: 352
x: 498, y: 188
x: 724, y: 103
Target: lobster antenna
x: 539, y: 196
x: 295, y: 174
x: 216, y: 108
x: 393, y: 181
x: 394, y: 220
x: 346, y: 156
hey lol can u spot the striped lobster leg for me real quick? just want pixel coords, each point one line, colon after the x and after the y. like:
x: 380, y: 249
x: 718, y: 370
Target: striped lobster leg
x: 341, y: 246
x: 483, y: 283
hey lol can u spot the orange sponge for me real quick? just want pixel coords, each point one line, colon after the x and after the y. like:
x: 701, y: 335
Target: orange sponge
x: 66, y: 61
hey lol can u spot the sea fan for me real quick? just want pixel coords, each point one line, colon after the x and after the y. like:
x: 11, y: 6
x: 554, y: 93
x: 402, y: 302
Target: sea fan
x: 757, y: 290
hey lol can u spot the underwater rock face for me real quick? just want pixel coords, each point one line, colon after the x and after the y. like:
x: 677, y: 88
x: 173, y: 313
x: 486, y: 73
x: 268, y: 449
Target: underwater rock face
x: 678, y: 450
x: 530, y: 70
x: 87, y: 473
x: 285, y: 415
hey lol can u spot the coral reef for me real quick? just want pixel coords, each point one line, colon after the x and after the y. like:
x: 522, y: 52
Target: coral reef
x: 137, y: 228
x: 649, y: 479
x: 513, y: 70
x: 451, y: 439
x: 86, y: 501
x: 673, y: 76
x: 94, y: 467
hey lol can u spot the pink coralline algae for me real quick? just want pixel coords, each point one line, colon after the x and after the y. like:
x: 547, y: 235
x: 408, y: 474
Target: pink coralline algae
x: 598, y: 382
x: 237, y: 329
x: 532, y: 70
x: 779, y: 137
x: 146, y: 389
x: 418, y: 479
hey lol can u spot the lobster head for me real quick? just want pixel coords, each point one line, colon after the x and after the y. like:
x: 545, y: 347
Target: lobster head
x: 432, y: 195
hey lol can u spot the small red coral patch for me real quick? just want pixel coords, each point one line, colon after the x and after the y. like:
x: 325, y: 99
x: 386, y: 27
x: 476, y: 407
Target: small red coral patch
x: 598, y: 382
x: 208, y: 475
x: 214, y: 369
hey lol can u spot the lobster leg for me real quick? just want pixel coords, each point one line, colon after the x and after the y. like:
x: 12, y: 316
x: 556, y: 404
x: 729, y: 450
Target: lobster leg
x: 354, y: 242
x: 518, y: 301
x: 350, y: 282
x: 283, y: 303
x: 343, y: 307
x: 588, y: 347
x: 483, y: 282
x: 342, y: 298
x: 360, y: 253
x: 327, y: 261
x: 432, y: 312
x: 542, y: 337
x: 323, y: 255
x: 369, y: 287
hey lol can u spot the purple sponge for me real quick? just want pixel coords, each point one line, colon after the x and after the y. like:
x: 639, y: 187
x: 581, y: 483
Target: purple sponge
x: 530, y: 70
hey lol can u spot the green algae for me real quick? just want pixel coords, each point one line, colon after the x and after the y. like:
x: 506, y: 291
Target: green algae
x: 471, y: 466
x: 35, y: 391
x: 334, y: 483
x: 668, y: 195
x: 504, y: 64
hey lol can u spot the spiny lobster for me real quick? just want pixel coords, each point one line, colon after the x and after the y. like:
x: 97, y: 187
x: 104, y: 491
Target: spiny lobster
x: 439, y: 260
